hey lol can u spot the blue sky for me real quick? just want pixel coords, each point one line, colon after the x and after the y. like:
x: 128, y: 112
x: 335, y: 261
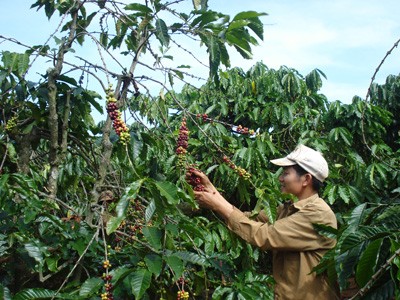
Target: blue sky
x: 345, y: 39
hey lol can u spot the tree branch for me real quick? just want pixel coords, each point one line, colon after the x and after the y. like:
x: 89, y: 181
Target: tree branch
x: 374, y: 277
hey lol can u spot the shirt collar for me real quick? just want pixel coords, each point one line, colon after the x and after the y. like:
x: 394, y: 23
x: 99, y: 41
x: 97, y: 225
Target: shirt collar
x: 302, y: 203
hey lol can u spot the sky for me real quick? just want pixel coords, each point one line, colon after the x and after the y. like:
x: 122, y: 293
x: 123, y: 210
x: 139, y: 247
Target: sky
x: 345, y: 39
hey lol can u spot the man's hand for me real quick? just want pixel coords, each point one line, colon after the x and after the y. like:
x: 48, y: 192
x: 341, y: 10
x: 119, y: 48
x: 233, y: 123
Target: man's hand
x: 203, y: 179
x: 209, y: 197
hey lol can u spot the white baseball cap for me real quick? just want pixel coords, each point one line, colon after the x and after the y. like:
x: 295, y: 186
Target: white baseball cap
x: 310, y: 160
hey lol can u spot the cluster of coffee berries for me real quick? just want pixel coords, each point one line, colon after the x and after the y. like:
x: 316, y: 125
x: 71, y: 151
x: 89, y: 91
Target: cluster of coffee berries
x: 163, y: 293
x: 119, y: 125
x: 181, y: 282
x: 239, y: 170
x: 106, y: 277
x: 11, y: 123
x: 106, y: 296
x: 108, y: 287
x: 204, y: 117
x: 182, y: 143
x: 106, y: 264
x: 242, y: 173
x: 237, y: 129
x: 134, y: 231
x: 243, y: 130
x: 182, y: 295
x: 194, y: 180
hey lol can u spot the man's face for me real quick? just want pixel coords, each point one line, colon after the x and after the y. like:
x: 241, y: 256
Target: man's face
x: 291, y: 182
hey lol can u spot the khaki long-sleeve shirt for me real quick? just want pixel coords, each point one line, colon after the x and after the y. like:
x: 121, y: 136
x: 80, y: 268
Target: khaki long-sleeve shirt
x: 296, y: 247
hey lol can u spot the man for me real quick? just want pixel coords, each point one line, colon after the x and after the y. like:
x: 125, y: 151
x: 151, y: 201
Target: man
x: 296, y: 247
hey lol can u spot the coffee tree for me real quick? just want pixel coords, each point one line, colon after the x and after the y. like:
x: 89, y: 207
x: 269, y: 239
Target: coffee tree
x: 92, y: 209
x: 104, y: 211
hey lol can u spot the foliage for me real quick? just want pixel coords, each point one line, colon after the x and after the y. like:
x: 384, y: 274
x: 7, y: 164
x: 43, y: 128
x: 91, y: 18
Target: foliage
x: 80, y: 210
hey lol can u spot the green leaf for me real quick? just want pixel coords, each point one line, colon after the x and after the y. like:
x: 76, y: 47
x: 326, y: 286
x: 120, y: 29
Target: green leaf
x: 357, y: 215
x: 205, y: 18
x: 330, y: 193
x: 168, y: 191
x: 5, y: 293
x: 139, y: 7
x: 23, y: 63
x: 29, y: 127
x: 150, y: 210
x: 52, y: 263
x: 220, y: 292
x: 248, y: 293
x: 11, y: 151
x: 120, y: 273
x: 238, y: 24
x: 3, y: 181
x: 258, y: 28
x: 344, y: 194
x: 346, y: 135
x: 263, y: 203
x: 389, y: 217
x: 209, y: 244
x: 34, y: 294
x: 217, y: 241
x: 170, y: 79
x: 366, y: 266
x: 9, y: 60
x: 370, y: 174
x: 178, y: 73
x: 176, y: 264
x: 35, y: 250
x: 325, y: 230
x: 113, y: 223
x: 153, y: 236
x: 122, y: 206
x: 192, y: 258
x: 354, y: 194
x: 350, y: 241
x: 248, y: 15
x: 396, y: 190
x: 162, y: 32
x: 68, y: 80
x: 154, y: 263
x: 214, y: 55
x: 104, y: 39
x: 291, y: 83
x: 341, y: 133
x: 90, y: 287
x: 79, y: 245
x: 91, y: 98
x: 140, y: 282
x: 382, y: 169
x: 238, y: 40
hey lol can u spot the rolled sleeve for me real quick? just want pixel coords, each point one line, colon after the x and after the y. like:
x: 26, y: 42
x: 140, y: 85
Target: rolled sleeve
x: 256, y: 233
x: 293, y: 233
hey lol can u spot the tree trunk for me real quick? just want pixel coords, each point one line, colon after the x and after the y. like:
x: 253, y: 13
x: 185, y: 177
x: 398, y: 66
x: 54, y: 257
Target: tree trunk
x: 55, y: 155
x: 24, y: 148
x: 121, y: 94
